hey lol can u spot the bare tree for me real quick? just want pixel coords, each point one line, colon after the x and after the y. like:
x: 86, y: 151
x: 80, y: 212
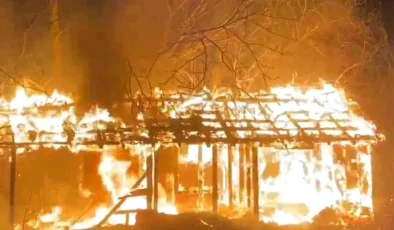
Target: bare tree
x: 246, y: 44
x: 233, y: 40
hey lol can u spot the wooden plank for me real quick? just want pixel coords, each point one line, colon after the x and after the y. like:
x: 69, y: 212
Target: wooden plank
x: 110, y: 213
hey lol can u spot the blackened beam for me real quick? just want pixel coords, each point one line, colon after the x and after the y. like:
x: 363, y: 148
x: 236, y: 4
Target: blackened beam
x: 230, y: 153
x: 200, y: 178
x: 267, y: 98
x: 136, y: 192
x: 267, y: 139
x: 124, y: 198
x: 196, y: 191
x: 40, y: 108
x: 233, y: 128
x: 255, y: 178
x: 127, y: 218
x: 149, y: 180
x: 134, y: 189
x: 215, y: 189
x: 242, y: 177
x: 332, y: 118
x: 189, y: 125
x: 265, y: 121
x: 248, y: 151
x: 156, y: 159
x: 110, y: 213
x: 128, y: 211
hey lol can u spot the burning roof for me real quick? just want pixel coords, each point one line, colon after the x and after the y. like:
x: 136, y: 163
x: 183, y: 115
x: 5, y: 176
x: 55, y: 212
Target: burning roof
x: 284, y: 114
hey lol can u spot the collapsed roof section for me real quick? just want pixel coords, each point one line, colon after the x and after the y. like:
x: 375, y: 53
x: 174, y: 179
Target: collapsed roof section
x: 284, y: 115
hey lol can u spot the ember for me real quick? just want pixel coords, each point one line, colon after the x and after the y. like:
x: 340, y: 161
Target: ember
x: 285, y: 155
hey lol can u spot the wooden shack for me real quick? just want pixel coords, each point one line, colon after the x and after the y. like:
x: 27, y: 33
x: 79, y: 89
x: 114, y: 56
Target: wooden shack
x: 278, y: 155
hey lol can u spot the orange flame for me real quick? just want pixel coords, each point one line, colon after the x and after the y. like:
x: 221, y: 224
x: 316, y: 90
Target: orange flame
x: 302, y: 186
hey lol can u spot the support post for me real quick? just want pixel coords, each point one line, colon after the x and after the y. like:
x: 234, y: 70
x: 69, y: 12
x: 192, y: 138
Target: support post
x: 127, y: 219
x: 149, y: 180
x: 230, y: 153
x: 156, y: 159
x: 248, y: 178
x: 215, y: 178
x: 242, y: 173
x: 200, y: 177
x: 12, y: 161
x: 255, y: 177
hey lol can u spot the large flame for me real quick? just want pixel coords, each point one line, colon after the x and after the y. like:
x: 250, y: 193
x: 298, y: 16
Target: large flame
x: 303, y: 184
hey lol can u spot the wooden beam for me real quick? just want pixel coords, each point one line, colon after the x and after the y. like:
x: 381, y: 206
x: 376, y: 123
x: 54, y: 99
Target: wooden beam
x: 136, y: 192
x: 215, y: 189
x: 110, y: 213
x: 123, y: 199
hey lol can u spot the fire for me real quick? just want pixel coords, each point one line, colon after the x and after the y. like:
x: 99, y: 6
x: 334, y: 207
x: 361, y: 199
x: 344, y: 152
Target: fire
x: 54, y: 216
x: 118, y: 183
x: 295, y: 182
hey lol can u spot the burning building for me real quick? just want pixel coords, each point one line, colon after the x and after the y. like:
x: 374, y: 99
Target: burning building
x: 284, y: 156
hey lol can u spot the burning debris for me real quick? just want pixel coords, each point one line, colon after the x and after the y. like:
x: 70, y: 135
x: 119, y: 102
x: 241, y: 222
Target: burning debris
x: 284, y: 156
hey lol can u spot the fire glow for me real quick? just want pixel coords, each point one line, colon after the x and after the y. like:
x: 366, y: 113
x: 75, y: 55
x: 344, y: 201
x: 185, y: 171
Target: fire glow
x: 311, y: 151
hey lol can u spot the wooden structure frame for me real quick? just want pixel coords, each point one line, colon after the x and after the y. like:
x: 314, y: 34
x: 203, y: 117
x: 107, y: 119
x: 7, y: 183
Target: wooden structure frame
x: 259, y: 119
x: 219, y: 125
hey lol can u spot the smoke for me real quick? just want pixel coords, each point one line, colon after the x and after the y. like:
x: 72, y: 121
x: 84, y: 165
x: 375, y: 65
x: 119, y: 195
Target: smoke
x: 100, y: 56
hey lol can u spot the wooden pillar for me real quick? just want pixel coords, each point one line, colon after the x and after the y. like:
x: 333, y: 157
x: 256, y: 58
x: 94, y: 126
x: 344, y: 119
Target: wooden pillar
x: 149, y: 180
x: 127, y: 219
x: 200, y: 178
x: 156, y: 158
x: 215, y: 179
x: 242, y: 173
x: 230, y: 153
x: 248, y: 178
x: 255, y: 177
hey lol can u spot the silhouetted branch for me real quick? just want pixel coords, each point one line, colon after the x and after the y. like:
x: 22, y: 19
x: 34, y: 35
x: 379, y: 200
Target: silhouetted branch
x: 17, y: 82
x: 223, y: 38
x: 25, y: 34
